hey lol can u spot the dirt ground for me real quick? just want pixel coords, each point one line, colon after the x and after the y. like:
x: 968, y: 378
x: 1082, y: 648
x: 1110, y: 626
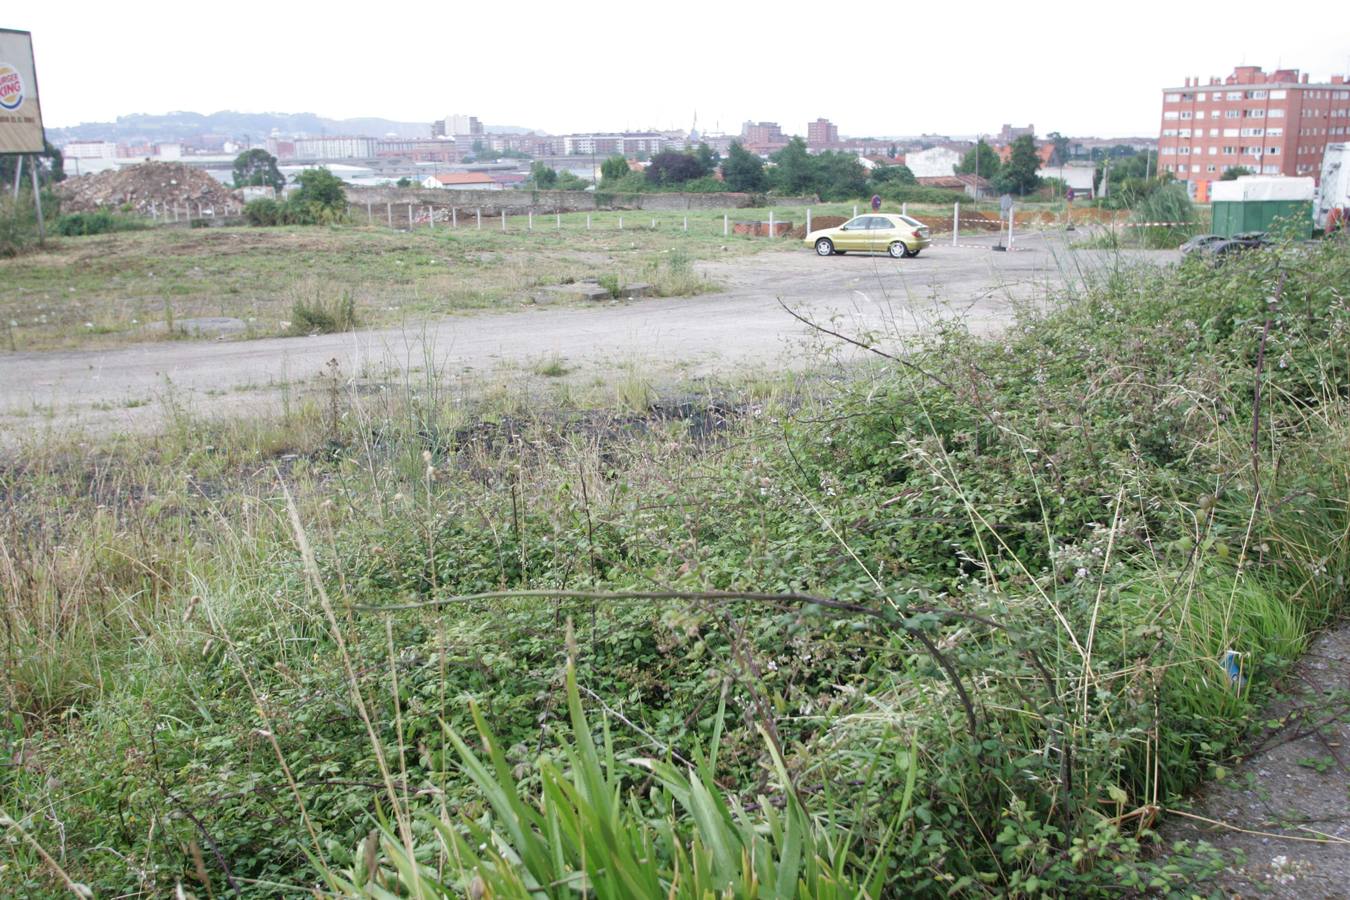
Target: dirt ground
x: 1284, y: 808
x: 130, y: 388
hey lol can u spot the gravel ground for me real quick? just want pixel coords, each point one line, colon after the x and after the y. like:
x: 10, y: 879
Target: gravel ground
x: 1292, y: 788
x: 131, y: 388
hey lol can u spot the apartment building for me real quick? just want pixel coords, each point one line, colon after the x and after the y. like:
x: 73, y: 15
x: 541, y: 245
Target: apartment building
x: 1273, y: 123
x: 822, y: 134
x: 628, y: 143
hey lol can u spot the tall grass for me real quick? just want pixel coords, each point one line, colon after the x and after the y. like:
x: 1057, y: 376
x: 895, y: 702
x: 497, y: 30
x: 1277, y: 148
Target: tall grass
x: 981, y: 596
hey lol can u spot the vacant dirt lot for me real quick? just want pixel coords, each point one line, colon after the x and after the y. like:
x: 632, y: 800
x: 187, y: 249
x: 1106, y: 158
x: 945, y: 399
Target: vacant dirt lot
x: 743, y: 325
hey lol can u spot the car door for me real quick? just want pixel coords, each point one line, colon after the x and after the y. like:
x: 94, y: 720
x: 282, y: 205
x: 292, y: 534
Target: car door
x: 853, y: 234
x: 882, y: 232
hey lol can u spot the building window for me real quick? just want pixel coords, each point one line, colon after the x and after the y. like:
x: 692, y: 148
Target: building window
x: 1200, y: 114
x: 1213, y: 151
x: 1211, y: 168
x: 1272, y: 151
x: 1232, y: 113
x: 1185, y: 132
x: 1186, y: 114
x: 1171, y: 98
x: 1169, y: 132
x: 1170, y: 114
x: 1256, y: 113
x: 1278, y: 95
x: 1229, y: 151
x: 1275, y: 132
x: 1235, y: 95
x: 1277, y: 113
x: 1256, y: 95
x: 1271, y: 170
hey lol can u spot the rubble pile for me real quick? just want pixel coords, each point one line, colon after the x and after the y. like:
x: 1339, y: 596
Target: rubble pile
x: 148, y: 188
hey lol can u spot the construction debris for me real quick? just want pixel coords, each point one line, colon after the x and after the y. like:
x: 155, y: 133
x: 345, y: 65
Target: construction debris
x: 149, y: 188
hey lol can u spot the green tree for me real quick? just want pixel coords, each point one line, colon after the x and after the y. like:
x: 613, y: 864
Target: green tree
x: 1018, y: 175
x: 743, y: 170
x: 794, y: 171
x: 839, y: 176
x: 404, y: 182
x: 322, y: 189
x: 614, y: 168
x: 51, y: 167
x: 979, y: 160
x: 543, y: 177
x: 708, y: 158
x: 888, y: 175
x: 1233, y: 173
x: 257, y: 167
x: 1061, y: 153
x: 671, y: 167
x: 570, y: 182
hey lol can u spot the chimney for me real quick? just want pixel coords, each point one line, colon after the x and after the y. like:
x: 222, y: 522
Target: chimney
x: 1338, y: 79
x: 1305, y: 77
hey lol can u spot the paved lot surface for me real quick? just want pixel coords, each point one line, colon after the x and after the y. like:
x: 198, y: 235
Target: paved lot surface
x: 1284, y: 808
x: 743, y: 325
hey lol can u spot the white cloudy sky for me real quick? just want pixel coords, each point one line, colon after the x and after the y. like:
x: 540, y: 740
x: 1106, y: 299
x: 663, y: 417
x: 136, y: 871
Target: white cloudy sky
x: 872, y: 67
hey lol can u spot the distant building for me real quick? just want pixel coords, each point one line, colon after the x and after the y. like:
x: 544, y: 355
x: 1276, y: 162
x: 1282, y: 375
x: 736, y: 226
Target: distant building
x: 419, y: 150
x: 335, y: 148
x: 1008, y: 133
x: 629, y: 143
x: 454, y: 125
x: 90, y: 150
x: 281, y: 149
x: 763, y: 137
x: 1274, y: 123
x: 974, y: 186
x: 462, y: 181
x: 933, y: 163
x: 822, y: 134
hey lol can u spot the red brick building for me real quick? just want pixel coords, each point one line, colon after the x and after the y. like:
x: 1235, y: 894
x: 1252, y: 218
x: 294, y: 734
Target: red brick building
x: 1274, y: 123
x: 822, y: 134
x: 763, y: 137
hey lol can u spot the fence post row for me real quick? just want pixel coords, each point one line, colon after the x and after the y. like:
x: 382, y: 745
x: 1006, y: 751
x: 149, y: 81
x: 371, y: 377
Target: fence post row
x: 956, y: 221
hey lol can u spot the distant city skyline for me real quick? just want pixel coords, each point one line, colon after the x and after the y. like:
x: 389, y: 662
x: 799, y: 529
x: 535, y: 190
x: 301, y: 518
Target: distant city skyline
x: 1093, y: 73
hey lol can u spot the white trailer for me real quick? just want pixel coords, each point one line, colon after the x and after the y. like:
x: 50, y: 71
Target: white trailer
x: 1333, y: 194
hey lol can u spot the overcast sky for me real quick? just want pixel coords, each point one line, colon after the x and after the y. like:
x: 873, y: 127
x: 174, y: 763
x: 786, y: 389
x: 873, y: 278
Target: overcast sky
x: 872, y: 68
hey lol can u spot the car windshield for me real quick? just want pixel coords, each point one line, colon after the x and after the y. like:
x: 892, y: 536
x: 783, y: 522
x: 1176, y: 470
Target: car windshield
x: 908, y: 221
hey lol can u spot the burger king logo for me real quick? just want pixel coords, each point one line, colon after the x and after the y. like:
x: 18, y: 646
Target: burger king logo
x: 11, y: 87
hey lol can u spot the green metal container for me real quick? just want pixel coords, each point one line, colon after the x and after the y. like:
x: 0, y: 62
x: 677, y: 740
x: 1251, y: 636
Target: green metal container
x: 1232, y: 217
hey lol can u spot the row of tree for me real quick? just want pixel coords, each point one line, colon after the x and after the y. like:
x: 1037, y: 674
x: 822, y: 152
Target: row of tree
x: 1016, y: 176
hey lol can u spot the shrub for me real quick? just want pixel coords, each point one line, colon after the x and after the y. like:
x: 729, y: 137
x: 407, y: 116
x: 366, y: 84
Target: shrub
x: 319, y: 316
x: 264, y: 212
x: 99, y: 222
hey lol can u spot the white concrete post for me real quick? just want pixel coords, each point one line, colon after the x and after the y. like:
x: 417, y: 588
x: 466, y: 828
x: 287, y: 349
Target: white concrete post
x: 621, y: 223
x: 480, y: 220
x: 557, y: 220
x: 530, y: 224
x: 389, y: 213
x: 1010, y: 223
x: 808, y: 220
x: 855, y: 210
x: 410, y: 217
x: 454, y: 217
x: 431, y: 217
x: 726, y: 225
x: 370, y: 220
x: 904, y: 209
x: 956, y: 221
x: 588, y: 221
x: 686, y: 223
x: 503, y: 220
x: 771, y: 232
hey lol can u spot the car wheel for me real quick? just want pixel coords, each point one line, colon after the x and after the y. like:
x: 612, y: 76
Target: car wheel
x: 824, y: 247
x: 898, y: 250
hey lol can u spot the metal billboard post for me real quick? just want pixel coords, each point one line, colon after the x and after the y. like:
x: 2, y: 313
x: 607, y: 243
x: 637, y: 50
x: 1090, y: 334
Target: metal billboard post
x: 37, y: 200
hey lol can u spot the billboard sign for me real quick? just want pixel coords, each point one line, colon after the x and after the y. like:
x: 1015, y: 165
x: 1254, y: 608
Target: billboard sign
x: 20, y: 114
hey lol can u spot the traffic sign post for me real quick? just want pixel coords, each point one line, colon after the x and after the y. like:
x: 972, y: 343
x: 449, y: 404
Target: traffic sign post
x: 1005, y: 207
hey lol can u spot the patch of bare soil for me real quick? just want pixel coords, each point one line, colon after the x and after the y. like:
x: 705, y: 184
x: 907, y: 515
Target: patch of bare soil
x: 1285, y: 810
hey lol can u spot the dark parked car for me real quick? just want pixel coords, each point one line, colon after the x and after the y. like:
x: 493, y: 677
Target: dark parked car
x: 1200, y: 242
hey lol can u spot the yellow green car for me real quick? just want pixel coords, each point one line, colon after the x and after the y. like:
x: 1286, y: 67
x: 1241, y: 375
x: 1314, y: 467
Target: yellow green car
x: 892, y: 233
